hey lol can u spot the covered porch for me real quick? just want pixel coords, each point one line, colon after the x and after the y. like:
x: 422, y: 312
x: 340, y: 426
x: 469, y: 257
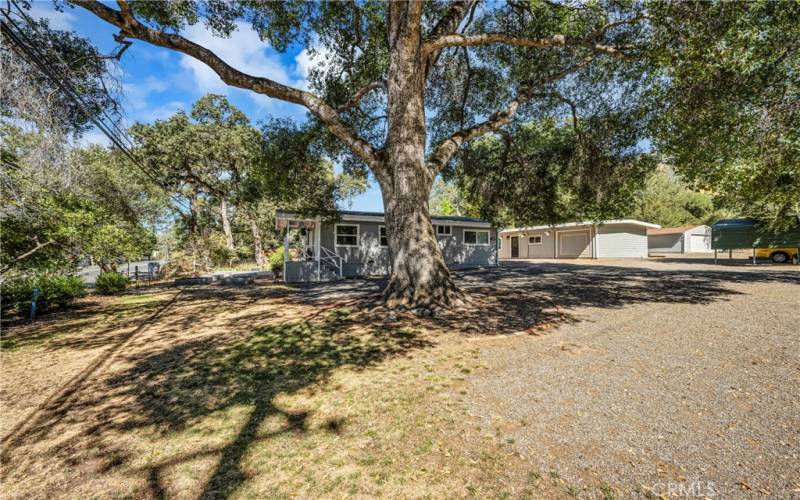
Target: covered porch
x: 304, y: 257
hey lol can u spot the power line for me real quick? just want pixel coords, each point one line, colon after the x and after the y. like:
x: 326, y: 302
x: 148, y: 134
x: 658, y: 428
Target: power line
x: 67, y: 71
x: 29, y: 51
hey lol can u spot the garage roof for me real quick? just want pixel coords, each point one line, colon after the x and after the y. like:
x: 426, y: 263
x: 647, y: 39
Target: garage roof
x: 583, y: 223
x: 671, y: 230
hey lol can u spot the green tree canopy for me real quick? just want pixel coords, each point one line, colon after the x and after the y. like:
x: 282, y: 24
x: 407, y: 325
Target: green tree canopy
x: 404, y: 87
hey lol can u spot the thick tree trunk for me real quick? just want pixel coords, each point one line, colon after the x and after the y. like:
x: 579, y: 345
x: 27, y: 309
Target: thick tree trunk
x: 226, y: 225
x: 420, y: 278
x: 258, y: 246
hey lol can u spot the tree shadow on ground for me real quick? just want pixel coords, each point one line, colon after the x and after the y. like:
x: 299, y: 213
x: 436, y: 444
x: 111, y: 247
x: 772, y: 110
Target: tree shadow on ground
x: 171, y: 384
x: 537, y: 297
x: 229, y: 347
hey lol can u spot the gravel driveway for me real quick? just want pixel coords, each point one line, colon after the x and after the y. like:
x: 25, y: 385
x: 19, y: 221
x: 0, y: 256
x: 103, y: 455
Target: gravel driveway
x: 665, y: 379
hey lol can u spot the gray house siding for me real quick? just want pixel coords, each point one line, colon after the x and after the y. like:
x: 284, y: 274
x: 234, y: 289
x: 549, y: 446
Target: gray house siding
x: 369, y: 258
x: 297, y: 271
x: 547, y: 250
x: 621, y: 240
x: 665, y: 243
x: 528, y: 250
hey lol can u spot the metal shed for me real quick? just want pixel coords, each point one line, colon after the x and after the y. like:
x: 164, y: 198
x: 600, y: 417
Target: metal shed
x: 732, y: 234
x: 729, y: 234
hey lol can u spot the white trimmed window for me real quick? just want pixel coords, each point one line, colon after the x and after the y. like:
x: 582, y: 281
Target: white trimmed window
x: 476, y: 237
x: 346, y: 235
x: 535, y: 240
x: 383, y: 240
x: 444, y: 230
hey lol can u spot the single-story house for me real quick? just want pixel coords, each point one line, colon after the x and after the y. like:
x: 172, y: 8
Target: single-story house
x: 684, y: 239
x: 572, y: 240
x: 356, y: 245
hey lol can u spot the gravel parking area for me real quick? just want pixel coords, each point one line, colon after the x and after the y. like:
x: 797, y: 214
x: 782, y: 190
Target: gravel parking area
x: 663, y: 379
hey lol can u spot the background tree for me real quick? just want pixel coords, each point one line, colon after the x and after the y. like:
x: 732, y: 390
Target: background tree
x: 407, y: 85
x: 545, y: 173
x: 733, y: 123
x: 668, y: 201
x: 202, y: 158
x: 234, y: 176
x: 448, y: 199
x: 108, y: 210
x: 31, y: 103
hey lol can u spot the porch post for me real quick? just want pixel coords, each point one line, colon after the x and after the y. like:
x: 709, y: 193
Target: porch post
x: 285, y: 251
x: 317, y: 239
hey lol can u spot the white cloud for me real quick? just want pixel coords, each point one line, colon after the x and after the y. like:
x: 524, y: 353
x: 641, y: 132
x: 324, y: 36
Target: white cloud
x: 243, y: 50
x: 137, y: 94
x: 58, y: 20
x: 162, y: 112
x: 308, y: 59
x: 94, y: 136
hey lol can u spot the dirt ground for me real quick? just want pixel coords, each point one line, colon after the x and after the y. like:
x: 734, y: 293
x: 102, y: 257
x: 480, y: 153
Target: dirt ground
x: 592, y: 379
x: 667, y: 378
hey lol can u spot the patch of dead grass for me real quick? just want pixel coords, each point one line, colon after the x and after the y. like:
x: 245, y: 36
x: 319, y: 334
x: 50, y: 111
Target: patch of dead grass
x: 249, y: 394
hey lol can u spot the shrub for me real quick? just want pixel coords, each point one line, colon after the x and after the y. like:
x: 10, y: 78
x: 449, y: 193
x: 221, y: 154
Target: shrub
x: 55, y: 292
x: 276, y: 261
x: 110, y: 283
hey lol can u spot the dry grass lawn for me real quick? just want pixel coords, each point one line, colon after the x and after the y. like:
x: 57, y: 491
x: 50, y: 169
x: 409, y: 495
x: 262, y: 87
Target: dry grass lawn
x: 243, y: 393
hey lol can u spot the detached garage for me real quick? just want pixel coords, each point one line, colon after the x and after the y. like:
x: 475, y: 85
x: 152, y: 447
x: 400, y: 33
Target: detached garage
x: 683, y: 239
x: 574, y: 240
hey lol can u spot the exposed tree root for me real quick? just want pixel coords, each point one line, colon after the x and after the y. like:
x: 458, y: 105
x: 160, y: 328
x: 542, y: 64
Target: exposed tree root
x: 433, y: 298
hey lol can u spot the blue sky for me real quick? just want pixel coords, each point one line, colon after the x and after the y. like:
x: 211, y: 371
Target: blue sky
x: 158, y: 82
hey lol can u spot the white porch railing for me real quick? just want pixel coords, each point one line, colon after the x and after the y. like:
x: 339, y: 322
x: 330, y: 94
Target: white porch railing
x: 331, y: 258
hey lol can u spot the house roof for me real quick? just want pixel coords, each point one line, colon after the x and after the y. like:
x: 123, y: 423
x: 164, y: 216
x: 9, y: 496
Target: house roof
x: 742, y: 222
x: 671, y: 230
x: 433, y: 217
x: 582, y: 223
x: 373, y: 216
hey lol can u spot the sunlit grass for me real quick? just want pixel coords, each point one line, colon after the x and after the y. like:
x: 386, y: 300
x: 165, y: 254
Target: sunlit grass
x: 263, y: 398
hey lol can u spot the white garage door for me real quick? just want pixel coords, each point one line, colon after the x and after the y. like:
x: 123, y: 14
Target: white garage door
x: 700, y: 243
x: 573, y: 244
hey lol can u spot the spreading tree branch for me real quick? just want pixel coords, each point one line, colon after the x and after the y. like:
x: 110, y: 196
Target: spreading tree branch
x: 560, y: 97
x: 602, y: 30
x: 362, y: 92
x: 30, y: 252
x: 446, y: 149
x: 448, y: 25
x: 442, y: 154
x: 459, y: 40
x: 131, y: 27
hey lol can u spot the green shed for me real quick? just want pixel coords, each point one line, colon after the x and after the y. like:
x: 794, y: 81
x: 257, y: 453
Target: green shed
x: 727, y: 234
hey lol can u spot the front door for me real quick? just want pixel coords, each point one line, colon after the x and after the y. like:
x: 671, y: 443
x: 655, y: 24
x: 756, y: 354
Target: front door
x: 515, y: 247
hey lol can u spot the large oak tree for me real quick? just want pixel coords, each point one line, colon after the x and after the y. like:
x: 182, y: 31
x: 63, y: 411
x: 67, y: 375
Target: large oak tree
x: 405, y: 86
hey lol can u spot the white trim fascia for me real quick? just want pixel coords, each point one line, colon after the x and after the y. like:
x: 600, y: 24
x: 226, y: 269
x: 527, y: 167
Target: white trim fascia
x: 382, y: 219
x: 447, y: 222
x: 584, y: 223
x: 363, y: 218
x: 595, y: 243
x: 488, y: 238
x: 358, y: 236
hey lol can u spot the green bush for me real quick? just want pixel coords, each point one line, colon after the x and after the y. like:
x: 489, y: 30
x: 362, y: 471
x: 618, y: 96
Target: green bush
x: 110, y: 283
x: 55, y: 292
x: 276, y: 261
